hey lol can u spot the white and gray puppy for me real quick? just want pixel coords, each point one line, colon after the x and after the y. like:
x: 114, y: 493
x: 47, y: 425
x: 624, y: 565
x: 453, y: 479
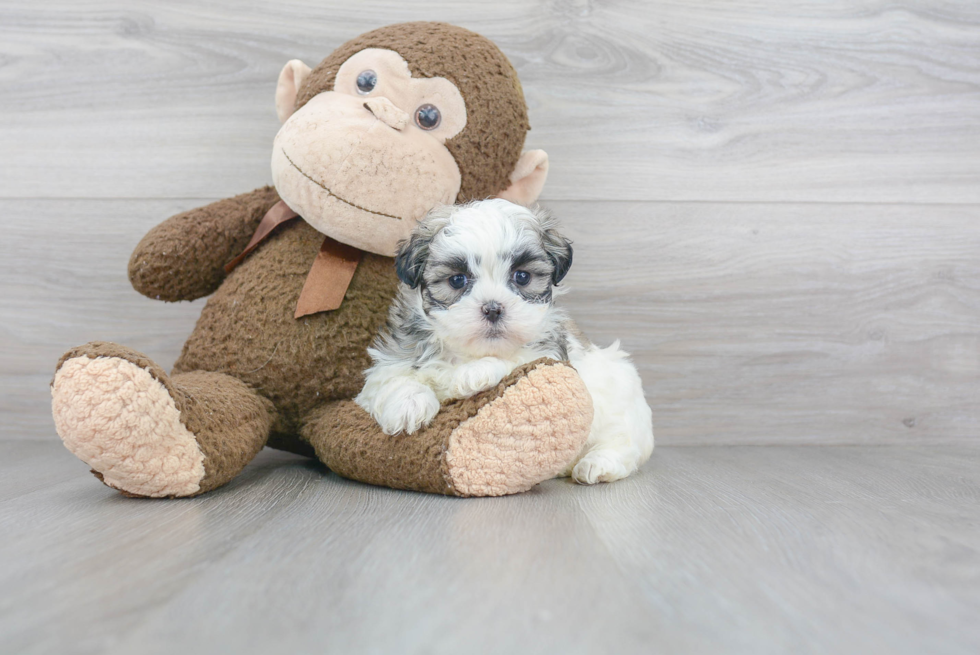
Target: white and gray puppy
x: 476, y: 301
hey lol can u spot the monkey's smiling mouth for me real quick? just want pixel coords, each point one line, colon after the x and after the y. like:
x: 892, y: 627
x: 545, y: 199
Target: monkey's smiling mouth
x: 331, y: 193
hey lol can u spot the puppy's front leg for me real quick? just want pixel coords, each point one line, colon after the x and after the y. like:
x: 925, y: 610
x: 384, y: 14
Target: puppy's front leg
x: 398, y: 402
x: 478, y: 375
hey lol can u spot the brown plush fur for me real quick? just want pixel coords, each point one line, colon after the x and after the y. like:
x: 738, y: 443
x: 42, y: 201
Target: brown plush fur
x: 251, y: 374
x: 183, y: 258
x: 496, y: 114
x: 247, y: 329
x: 231, y: 422
x: 346, y: 437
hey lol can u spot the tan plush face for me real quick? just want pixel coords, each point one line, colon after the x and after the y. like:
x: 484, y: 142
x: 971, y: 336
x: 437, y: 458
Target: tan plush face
x: 364, y: 162
x: 361, y: 163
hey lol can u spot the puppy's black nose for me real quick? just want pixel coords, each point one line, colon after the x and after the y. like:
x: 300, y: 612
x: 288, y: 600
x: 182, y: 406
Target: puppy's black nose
x: 492, y: 311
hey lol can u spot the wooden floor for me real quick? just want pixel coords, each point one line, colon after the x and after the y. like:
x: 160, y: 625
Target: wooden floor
x: 708, y: 550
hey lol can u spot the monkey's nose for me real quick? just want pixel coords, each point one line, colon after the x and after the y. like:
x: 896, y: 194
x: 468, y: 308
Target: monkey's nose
x: 387, y: 113
x: 492, y: 311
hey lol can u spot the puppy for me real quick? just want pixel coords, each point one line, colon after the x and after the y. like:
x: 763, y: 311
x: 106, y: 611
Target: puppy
x: 476, y: 301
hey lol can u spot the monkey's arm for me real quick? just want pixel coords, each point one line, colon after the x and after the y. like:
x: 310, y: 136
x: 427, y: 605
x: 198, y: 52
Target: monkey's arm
x: 183, y: 258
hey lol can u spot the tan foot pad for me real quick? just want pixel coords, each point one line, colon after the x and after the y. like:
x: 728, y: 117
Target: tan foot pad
x: 121, y: 421
x: 527, y: 435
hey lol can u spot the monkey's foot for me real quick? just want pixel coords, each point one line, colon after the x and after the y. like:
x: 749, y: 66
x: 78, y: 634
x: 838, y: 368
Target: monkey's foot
x: 114, y: 412
x: 505, y: 440
x: 525, y: 435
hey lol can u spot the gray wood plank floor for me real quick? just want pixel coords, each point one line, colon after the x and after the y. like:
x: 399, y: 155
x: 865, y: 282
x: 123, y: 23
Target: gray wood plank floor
x: 706, y: 550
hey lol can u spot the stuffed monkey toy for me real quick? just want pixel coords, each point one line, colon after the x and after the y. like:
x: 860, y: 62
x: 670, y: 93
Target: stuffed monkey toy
x: 300, y: 277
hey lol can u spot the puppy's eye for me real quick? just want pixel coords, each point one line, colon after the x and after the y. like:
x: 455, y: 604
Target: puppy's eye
x: 427, y: 117
x: 457, y: 281
x: 366, y: 82
x: 521, y: 278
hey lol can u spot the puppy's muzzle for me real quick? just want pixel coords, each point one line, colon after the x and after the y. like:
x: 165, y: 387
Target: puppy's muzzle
x: 492, y: 311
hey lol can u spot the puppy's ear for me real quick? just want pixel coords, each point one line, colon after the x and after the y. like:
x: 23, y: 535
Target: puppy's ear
x: 559, y: 251
x: 557, y: 248
x: 410, y: 260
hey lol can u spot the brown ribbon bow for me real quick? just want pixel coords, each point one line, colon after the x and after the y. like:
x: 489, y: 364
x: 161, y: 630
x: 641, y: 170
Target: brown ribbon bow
x: 330, y: 275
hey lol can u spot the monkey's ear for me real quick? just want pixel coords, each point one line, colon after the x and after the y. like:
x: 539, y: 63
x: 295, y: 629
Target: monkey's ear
x: 528, y: 178
x: 290, y: 79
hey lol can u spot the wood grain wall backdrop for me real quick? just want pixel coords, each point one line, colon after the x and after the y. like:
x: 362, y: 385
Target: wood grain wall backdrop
x: 646, y: 100
x: 775, y: 204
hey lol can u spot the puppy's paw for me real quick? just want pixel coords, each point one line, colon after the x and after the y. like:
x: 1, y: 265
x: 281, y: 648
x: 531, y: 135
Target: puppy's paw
x: 603, y: 466
x: 476, y: 376
x: 406, y: 408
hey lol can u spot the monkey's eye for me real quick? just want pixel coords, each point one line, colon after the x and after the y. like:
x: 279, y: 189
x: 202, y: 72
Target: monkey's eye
x: 458, y: 281
x: 428, y: 117
x: 366, y: 82
x: 521, y: 278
